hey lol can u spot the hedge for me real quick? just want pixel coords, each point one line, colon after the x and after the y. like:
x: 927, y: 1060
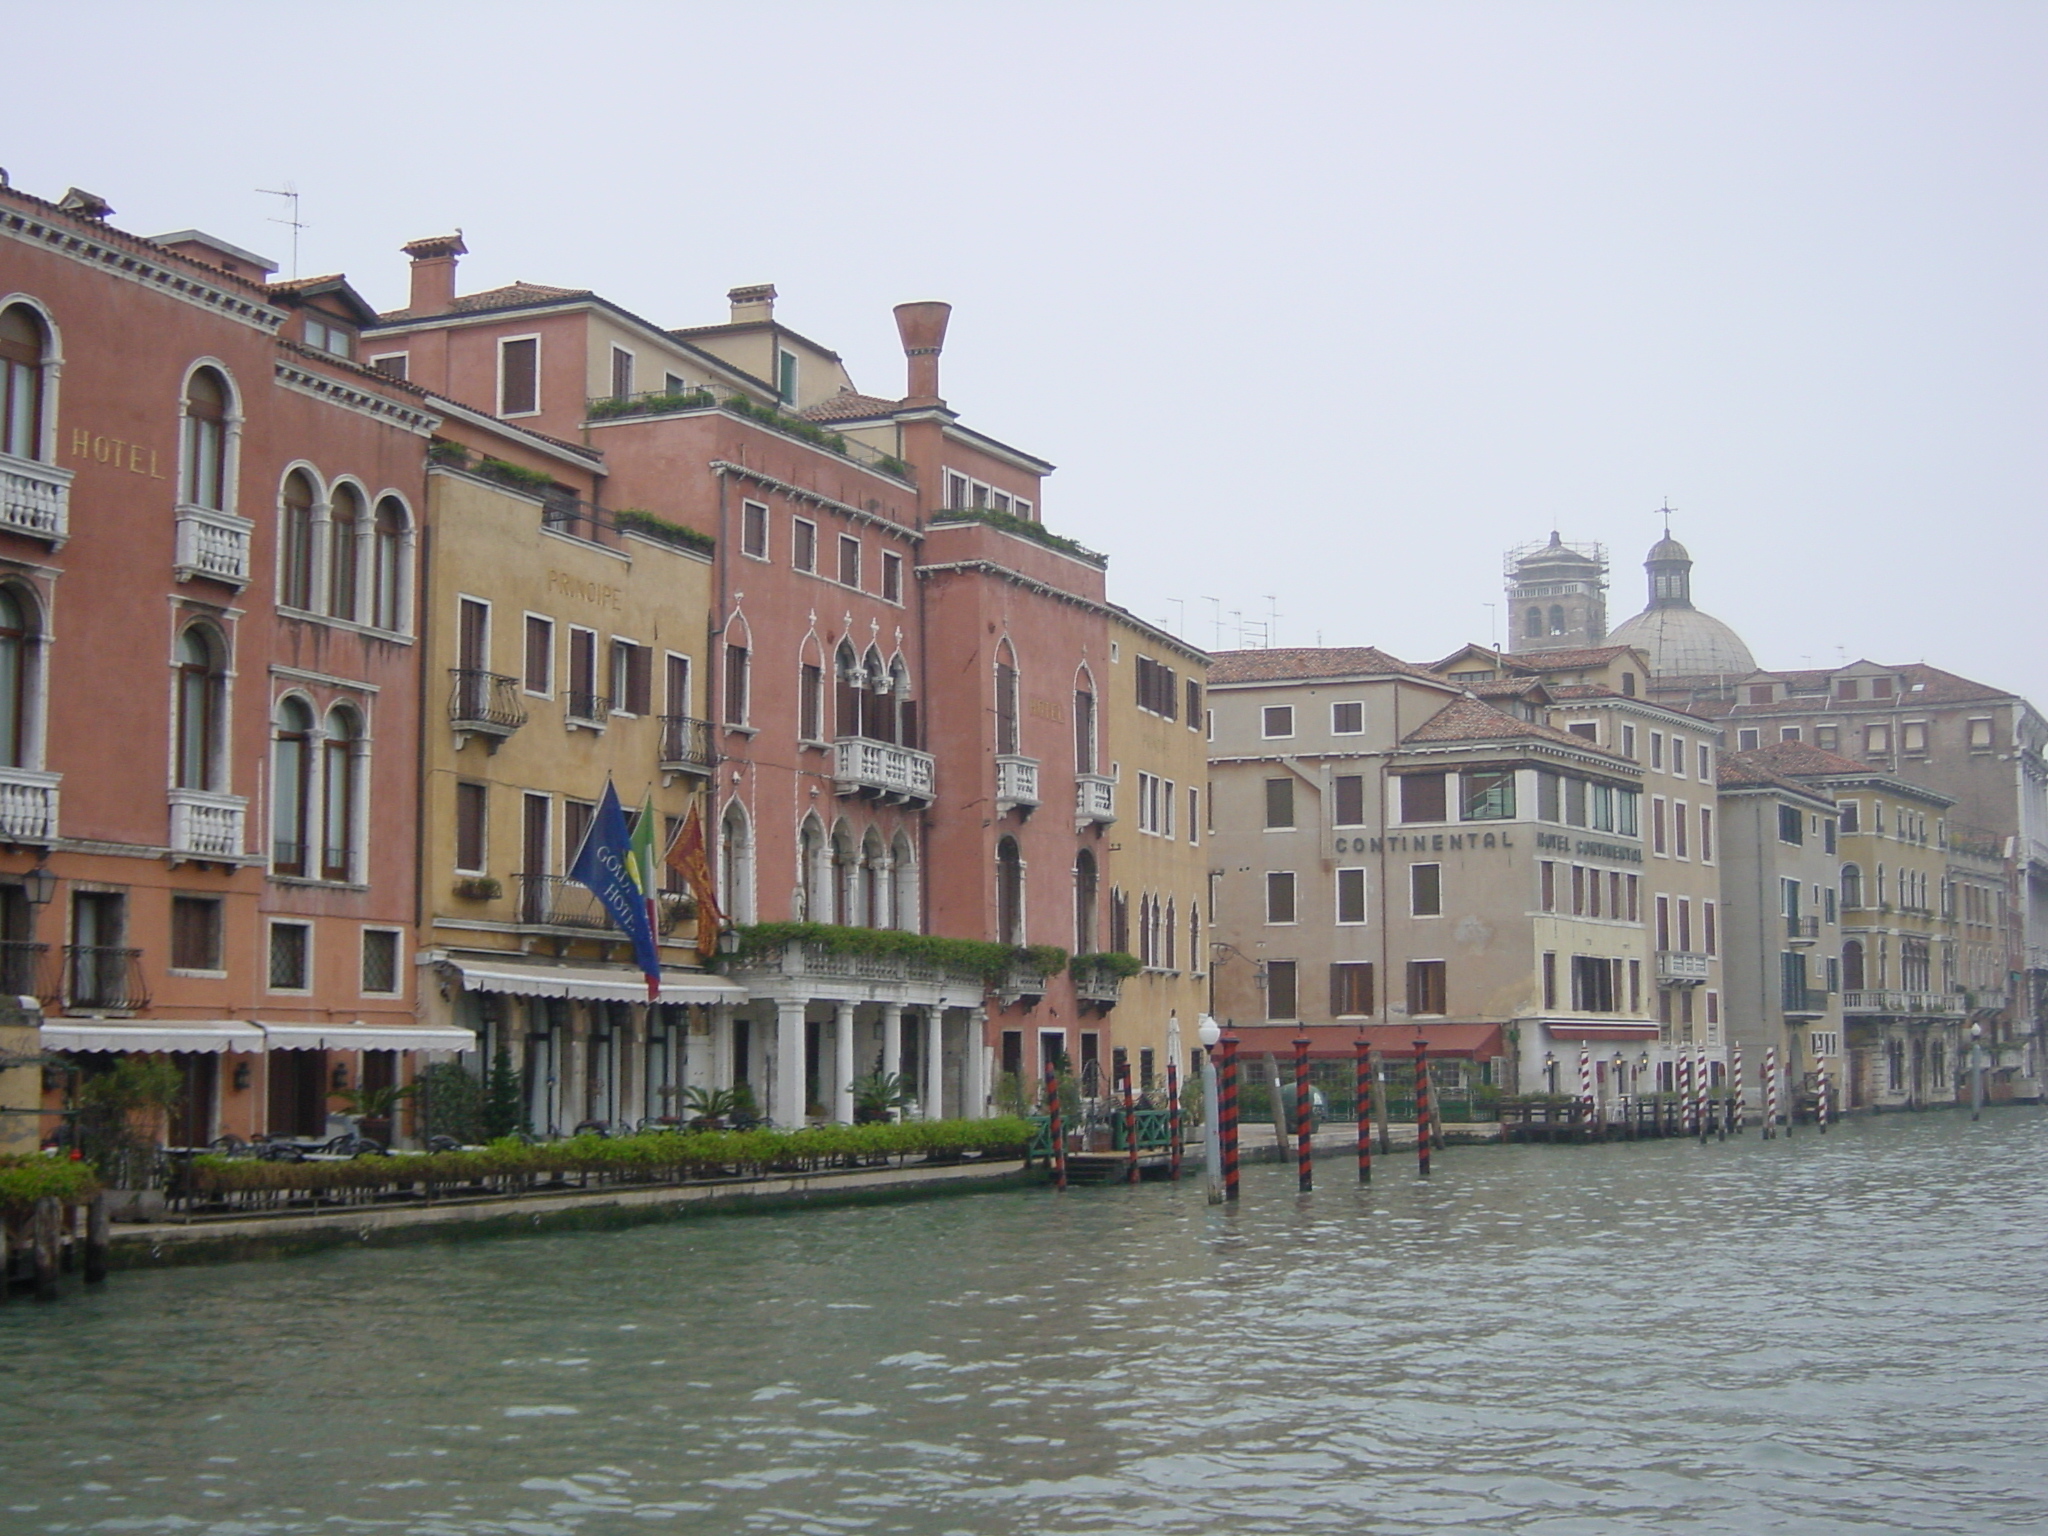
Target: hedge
x: 25, y: 1180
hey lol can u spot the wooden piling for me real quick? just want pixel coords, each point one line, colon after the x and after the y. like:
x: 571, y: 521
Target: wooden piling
x: 98, y: 1240
x: 1173, y: 1125
x: 48, y: 1235
x: 1304, y: 1119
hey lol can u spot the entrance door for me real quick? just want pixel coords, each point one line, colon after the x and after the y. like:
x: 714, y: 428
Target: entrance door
x: 192, y: 1121
x: 298, y: 1093
x: 472, y: 658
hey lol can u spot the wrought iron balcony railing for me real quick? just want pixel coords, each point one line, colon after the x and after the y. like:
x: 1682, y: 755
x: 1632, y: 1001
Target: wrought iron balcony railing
x: 100, y: 976
x: 688, y: 745
x: 485, y: 704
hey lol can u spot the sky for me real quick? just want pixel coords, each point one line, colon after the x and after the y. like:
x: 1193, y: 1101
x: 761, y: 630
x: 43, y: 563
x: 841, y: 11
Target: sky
x: 1318, y: 308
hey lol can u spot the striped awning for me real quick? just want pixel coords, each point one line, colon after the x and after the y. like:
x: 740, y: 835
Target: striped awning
x: 618, y: 984
x: 209, y: 1035
x: 358, y: 1036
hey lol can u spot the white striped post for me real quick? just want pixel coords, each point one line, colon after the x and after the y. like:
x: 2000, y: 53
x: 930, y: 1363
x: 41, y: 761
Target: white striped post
x: 1685, y: 1100
x: 1586, y: 1087
x: 1741, y: 1106
x: 1699, y: 1090
x: 1820, y: 1097
x: 1770, y: 1092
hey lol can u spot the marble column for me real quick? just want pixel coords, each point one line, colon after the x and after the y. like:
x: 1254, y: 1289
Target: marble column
x: 934, y: 1094
x: 842, y: 1064
x: 787, y: 1100
x: 717, y: 1069
x: 974, y: 1071
x: 892, y: 1037
x: 572, y: 1067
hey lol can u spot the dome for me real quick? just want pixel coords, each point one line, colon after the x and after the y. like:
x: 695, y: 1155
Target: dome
x: 1685, y: 642
x: 1668, y: 548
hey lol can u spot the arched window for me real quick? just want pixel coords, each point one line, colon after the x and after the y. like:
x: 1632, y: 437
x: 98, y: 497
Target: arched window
x: 1009, y: 892
x: 1852, y: 966
x: 878, y: 712
x: 874, y: 882
x: 903, y: 887
x: 338, y: 787
x: 1195, y: 951
x: 810, y: 705
x: 813, y: 874
x: 291, y: 788
x: 1172, y: 946
x: 1852, y: 885
x: 1532, y: 626
x: 205, y: 467
x: 1006, y: 700
x: 846, y: 878
x: 847, y: 690
x: 17, y: 677
x: 735, y: 865
x: 24, y: 348
x: 1086, y: 887
x: 295, y: 568
x: 202, y: 688
x: 902, y: 705
x: 1556, y: 619
x: 344, y: 543
x: 1084, y: 722
x: 387, y: 565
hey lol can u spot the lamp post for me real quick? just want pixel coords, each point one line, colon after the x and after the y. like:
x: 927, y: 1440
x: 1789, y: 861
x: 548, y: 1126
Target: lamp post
x: 1976, y: 1069
x: 1212, y: 1143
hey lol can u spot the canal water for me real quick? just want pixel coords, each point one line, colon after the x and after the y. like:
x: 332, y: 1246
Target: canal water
x: 1834, y: 1333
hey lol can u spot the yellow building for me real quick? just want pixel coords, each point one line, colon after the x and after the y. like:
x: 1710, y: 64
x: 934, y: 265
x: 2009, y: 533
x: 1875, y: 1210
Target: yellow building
x: 567, y: 648
x: 1156, y: 859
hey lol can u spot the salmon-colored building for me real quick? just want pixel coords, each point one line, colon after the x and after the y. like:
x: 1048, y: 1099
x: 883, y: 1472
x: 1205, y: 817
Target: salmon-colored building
x: 209, y: 675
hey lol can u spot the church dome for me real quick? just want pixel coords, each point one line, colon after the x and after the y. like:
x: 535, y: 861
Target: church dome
x: 1684, y: 642
x: 1679, y: 639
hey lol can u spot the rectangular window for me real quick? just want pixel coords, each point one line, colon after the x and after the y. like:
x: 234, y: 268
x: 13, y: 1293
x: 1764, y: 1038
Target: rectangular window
x: 1194, y: 815
x: 1549, y: 803
x: 1277, y: 722
x: 195, y: 933
x: 1791, y: 825
x: 1710, y: 936
x: 1628, y: 739
x: 1351, y: 896
x: 1549, y: 980
x: 1706, y: 764
x: 1423, y: 797
x: 1635, y: 898
x: 1350, y: 799
x: 577, y: 815
x: 785, y: 375
x: 1578, y: 890
x: 1913, y: 736
x: 1590, y: 729
x: 1678, y: 756
x: 540, y: 655
x: 1657, y: 823
x: 380, y: 961
x: 1575, y: 802
x: 1851, y: 817
x: 735, y: 685
x: 1426, y: 989
x: 1656, y: 749
x: 1635, y: 986
x: 1828, y: 738
x: 1282, y: 1000
x: 1681, y: 816
x: 519, y: 376
x: 754, y: 530
x: 1592, y: 984
x: 1877, y: 740
x: 290, y: 956
x: 1980, y: 735
x: 811, y: 702
x: 1279, y: 803
x: 1603, y: 807
x: 1547, y: 885
x: 1351, y: 991
x: 1663, y: 922
x: 892, y: 577
x: 1194, y: 692
x: 1166, y: 808
x: 470, y: 803
x: 803, y: 552
x: 1425, y: 890
x: 849, y: 560
x: 1347, y: 719
x: 396, y: 365
x: 1790, y: 733
x: 1706, y: 835
x: 1685, y: 923
x: 622, y: 371
x: 1748, y: 739
x: 1280, y: 896
x: 1488, y: 796
x: 583, y: 701
x: 632, y: 680
x: 1880, y: 687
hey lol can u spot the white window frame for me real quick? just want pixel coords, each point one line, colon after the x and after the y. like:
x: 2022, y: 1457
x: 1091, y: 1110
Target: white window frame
x: 892, y: 575
x: 795, y: 545
x: 859, y: 563
x: 270, y: 927
x: 525, y: 618
x: 616, y: 665
x: 1294, y: 888
x: 535, y: 338
x: 1337, y: 704
x: 632, y: 370
x: 384, y: 357
x: 767, y: 535
x: 1342, y: 877
x: 1264, y: 721
x: 398, y: 960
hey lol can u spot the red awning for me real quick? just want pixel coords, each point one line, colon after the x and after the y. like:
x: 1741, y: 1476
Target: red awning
x: 1567, y: 1029
x: 1478, y: 1042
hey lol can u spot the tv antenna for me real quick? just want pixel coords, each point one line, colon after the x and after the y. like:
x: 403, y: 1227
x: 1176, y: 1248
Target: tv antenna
x: 290, y: 193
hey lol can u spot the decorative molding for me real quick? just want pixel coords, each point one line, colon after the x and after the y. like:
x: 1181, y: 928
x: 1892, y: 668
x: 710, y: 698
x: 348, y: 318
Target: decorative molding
x: 350, y: 398
x: 157, y: 276
x: 815, y: 498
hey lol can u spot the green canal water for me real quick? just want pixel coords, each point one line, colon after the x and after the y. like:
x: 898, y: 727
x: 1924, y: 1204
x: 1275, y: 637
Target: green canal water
x: 1840, y: 1333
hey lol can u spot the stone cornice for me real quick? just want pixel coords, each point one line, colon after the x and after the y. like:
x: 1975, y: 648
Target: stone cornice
x: 168, y: 277
x: 335, y: 392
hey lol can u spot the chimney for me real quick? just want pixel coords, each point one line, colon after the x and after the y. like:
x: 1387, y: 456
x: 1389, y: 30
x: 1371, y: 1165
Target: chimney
x: 433, y: 272
x: 753, y: 304
x: 923, y: 329
x: 87, y: 205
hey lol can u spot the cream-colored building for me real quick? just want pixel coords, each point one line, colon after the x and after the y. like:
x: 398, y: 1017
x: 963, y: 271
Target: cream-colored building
x: 567, y: 646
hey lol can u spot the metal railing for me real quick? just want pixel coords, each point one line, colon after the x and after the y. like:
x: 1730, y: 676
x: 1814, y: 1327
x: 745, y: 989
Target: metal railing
x: 1806, y: 928
x: 1804, y: 1000
x: 24, y: 970
x: 688, y: 744
x: 556, y: 901
x: 586, y: 708
x: 35, y: 498
x: 100, y: 976
x: 485, y: 702
x: 1099, y: 987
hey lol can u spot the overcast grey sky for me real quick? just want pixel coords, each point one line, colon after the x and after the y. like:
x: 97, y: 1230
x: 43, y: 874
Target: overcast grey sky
x: 1323, y: 303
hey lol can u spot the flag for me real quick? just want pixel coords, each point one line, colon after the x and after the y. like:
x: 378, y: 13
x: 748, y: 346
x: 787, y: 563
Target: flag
x: 643, y: 864
x: 605, y: 865
x: 690, y: 858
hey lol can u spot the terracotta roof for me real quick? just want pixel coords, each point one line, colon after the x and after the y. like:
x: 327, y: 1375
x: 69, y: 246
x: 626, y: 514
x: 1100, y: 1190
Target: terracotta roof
x: 511, y: 296
x: 1564, y: 691
x: 1748, y: 770
x: 1470, y: 719
x: 1300, y: 663
x: 850, y: 405
x: 1513, y: 688
x: 1801, y: 759
x: 1555, y: 661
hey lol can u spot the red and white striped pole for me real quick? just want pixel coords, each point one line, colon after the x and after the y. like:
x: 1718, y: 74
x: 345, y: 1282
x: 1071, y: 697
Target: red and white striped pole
x: 1422, y: 1108
x: 1741, y: 1093
x: 1685, y: 1102
x: 1699, y: 1090
x: 1304, y: 1145
x: 1770, y: 1092
x: 1820, y: 1098
x: 1364, y: 1092
x: 1173, y: 1125
x: 1586, y: 1087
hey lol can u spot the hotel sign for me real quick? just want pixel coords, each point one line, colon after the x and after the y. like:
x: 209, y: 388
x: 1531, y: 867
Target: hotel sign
x: 1589, y: 848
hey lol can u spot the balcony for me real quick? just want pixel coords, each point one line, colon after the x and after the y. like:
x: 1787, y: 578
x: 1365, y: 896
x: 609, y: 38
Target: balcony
x: 207, y: 826
x: 213, y: 545
x: 484, y: 704
x: 1016, y: 783
x: 687, y: 745
x: 35, y: 499
x: 1094, y: 800
x: 1804, y: 1002
x: 1097, y: 988
x: 1681, y: 968
x: 583, y: 708
x: 798, y: 960
x: 99, y: 977
x: 1802, y: 930
x: 1907, y: 1004
x: 556, y: 901
x: 1020, y: 986
x: 24, y: 970
x: 864, y: 767
x: 28, y: 805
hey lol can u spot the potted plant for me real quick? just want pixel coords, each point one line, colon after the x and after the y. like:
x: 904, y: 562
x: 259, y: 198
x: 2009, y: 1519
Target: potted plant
x: 880, y: 1097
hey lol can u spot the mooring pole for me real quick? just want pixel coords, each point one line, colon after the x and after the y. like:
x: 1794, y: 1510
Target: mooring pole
x: 1422, y: 1108
x: 1304, y: 1132
x: 1212, y: 1116
x: 98, y: 1240
x: 1227, y: 1112
x: 1363, y: 1090
x: 1820, y: 1098
x: 1123, y: 1078
x: 1740, y: 1106
x: 49, y: 1220
x: 1173, y: 1132
x: 1770, y: 1071
x: 1054, y: 1128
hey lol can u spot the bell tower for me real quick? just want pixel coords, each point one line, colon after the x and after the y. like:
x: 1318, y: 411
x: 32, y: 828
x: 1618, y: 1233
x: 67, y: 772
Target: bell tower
x: 1557, y: 596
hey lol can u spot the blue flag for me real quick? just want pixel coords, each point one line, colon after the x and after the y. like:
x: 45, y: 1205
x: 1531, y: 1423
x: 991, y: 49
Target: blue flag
x: 605, y: 865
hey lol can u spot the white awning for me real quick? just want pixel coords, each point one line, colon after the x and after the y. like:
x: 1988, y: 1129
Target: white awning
x: 618, y: 984
x: 359, y: 1036
x: 213, y: 1035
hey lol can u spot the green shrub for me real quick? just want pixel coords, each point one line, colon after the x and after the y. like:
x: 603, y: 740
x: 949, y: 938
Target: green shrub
x: 25, y: 1180
x: 1023, y: 527
x: 640, y: 521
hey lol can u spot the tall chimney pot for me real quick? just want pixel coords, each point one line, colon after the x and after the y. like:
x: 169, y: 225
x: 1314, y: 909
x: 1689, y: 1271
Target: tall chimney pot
x: 433, y: 272
x: 752, y: 303
x: 923, y: 328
